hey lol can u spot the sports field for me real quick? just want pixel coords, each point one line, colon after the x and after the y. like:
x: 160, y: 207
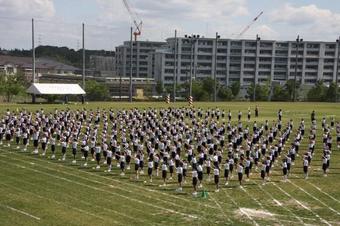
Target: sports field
x: 36, y: 190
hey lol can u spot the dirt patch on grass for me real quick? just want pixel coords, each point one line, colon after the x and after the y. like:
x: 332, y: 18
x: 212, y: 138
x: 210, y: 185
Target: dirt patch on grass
x: 255, y: 213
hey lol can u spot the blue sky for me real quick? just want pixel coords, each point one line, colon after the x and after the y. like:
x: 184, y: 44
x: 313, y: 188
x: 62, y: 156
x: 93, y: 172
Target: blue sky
x: 58, y: 22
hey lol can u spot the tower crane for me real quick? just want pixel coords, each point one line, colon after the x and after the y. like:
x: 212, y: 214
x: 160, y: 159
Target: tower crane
x: 249, y: 25
x: 135, y: 18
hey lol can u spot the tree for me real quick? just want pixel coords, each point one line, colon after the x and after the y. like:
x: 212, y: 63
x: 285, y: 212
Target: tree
x: 96, y: 91
x: 12, y: 85
x: 159, y: 88
x: 330, y: 93
x: 235, y: 88
x: 280, y: 93
x: 225, y: 93
x: 289, y: 86
x: 261, y: 92
x: 317, y: 93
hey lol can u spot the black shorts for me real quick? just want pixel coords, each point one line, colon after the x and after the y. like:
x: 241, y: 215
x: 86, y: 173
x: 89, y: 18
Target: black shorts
x: 8, y: 137
x: 35, y: 143
x: 247, y: 170
x: 194, y: 181
x: 240, y: 175
x: 216, y: 179
x: 24, y: 141
x: 284, y: 170
x: 164, y: 174
x: 128, y: 159
x: 17, y: 140
x: 305, y: 169
x: 86, y: 153
x: 263, y: 174
x: 180, y: 177
x: 74, y: 151
x: 171, y: 168
x: 208, y: 170
x: 122, y: 165
x: 63, y: 150
x: 109, y: 161
x: 149, y: 171
x: 98, y: 156
x: 226, y: 173
x: 136, y: 167
x: 53, y: 148
x: 200, y: 175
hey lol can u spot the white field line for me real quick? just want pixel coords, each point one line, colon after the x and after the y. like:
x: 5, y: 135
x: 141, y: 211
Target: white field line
x: 313, y: 197
x: 91, y: 180
x: 303, y: 206
x: 70, y: 197
x: 260, y: 204
x: 114, y: 194
x: 320, y: 190
x: 20, y: 211
x: 221, y: 209
x: 124, y: 183
x: 280, y: 204
x: 239, y: 208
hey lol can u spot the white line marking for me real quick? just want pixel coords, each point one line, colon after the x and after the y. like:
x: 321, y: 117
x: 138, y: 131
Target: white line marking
x: 116, y: 194
x: 20, y: 211
x: 121, y: 182
x: 58, y: 202
x: 303, y: 206
x: 258, y: 203
x: 239, y: 208
x: 221, y: 209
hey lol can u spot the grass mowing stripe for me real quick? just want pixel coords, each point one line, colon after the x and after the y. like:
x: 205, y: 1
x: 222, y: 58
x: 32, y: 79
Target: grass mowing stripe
x: 131, y: 185
x: 21, y: 212
x: 70, y: 174
x: 258, y: 203
x: 283, y: 206
x: 78, y: 201
x: 114, y: 194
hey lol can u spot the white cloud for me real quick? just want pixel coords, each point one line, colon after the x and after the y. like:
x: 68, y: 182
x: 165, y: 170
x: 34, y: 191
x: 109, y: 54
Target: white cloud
x: 27, y: 8
x: 309, y: 20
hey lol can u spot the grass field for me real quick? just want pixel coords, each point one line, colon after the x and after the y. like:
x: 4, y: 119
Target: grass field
x: 35, y: 190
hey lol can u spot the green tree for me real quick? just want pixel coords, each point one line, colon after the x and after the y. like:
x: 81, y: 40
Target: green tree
x: 280, y: 93
x: 96, y: 91
x: 261, y: 92
x: 159, y: 88
x: 235, y: 88
x: 330, y: 93
x: 317, y: 93
x: 225, y: 93
x: 12, y: 85
x: 289, y: 86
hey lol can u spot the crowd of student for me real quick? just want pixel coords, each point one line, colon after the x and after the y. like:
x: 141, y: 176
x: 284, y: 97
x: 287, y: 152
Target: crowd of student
x: 171, y: 142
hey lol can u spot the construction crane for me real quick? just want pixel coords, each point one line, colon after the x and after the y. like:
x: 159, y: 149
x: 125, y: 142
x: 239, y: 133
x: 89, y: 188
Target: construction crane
x: 249, y: 25
x: 135, y: 18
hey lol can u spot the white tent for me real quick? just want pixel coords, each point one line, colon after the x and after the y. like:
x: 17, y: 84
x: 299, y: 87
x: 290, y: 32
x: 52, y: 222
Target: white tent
x: 57, y: 89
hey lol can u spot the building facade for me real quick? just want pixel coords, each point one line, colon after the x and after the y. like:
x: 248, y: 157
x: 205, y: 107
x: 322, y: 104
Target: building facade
x: 142, y: 59
x: 246, y: 61
x: 104, y: 65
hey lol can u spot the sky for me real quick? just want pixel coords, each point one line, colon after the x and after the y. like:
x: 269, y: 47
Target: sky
x: 107, y: 22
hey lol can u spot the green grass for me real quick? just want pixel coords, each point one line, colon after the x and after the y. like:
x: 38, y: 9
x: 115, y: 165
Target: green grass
x: 59, y: 193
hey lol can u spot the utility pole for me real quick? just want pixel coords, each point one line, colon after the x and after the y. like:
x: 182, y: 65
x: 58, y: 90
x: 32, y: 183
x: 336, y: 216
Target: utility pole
x: 33, y: 53
x: 215, y: 67
x: 298, y: 40
x: 84, y: 62
x: 131, y: 62
x: 256, y: 63
x: 33, y: 60
x: 337, y: 70
x: 175, y: 66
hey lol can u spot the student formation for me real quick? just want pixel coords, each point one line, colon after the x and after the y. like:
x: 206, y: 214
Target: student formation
x: 180, y: 144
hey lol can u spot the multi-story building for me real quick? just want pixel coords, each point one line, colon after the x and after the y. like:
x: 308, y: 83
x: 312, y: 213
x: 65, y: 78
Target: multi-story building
x: 103, y: 65
x: 142, y: 59
x: 246, y: 61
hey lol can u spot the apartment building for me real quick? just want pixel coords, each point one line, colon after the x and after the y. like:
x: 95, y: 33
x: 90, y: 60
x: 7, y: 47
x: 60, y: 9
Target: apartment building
x: 246, y: 61
x: 142, y: 59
